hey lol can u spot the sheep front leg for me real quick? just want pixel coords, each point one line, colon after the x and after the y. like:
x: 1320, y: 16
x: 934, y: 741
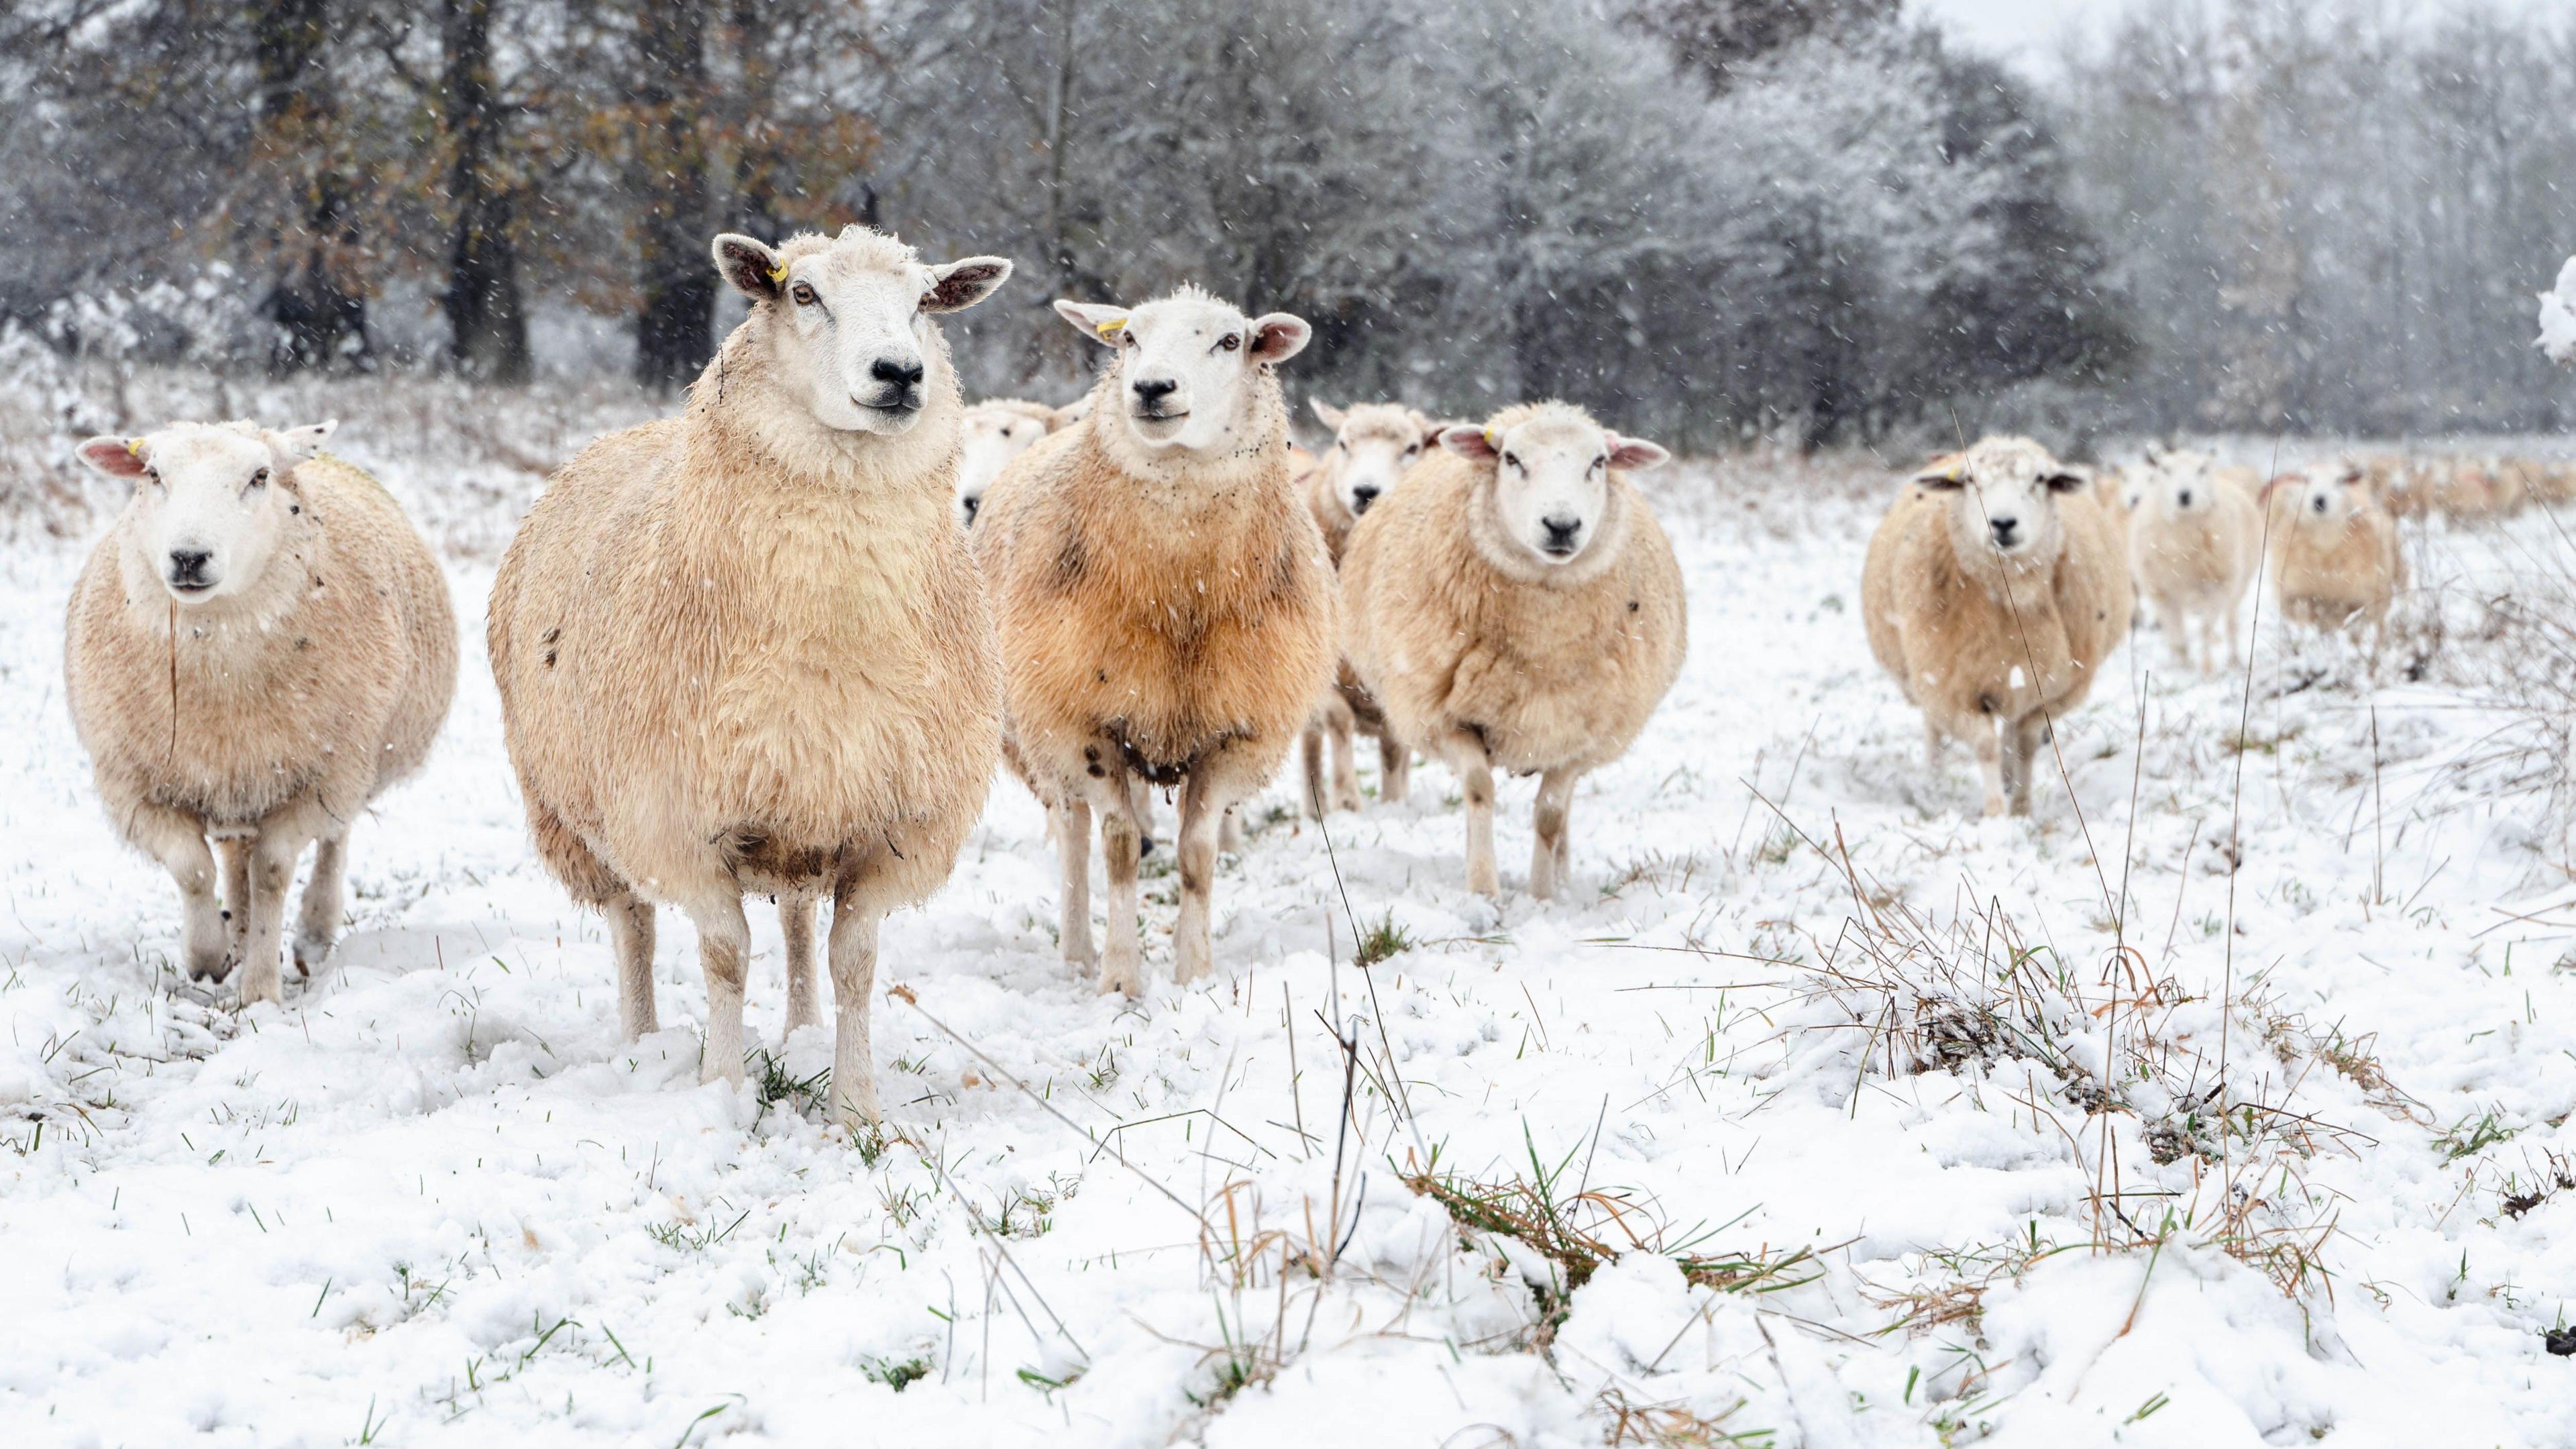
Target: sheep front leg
x: 854, y: 984
x: 1394, y: 768
x: 724, y: 954
x: 1986, y: 741
x: 1476, y: 781
x: 1121, y: 963
x: 1346, y: 765
x: 2021, y: 743
x: 1550, y: 855
x: 1202, y: 808
x: 179, y: 843
x: 1310, y: 760
x: 317, y: 917
x: 1072, y: 822
x: 796, y: 927
x: 272, y: 871
x: 630, y: 937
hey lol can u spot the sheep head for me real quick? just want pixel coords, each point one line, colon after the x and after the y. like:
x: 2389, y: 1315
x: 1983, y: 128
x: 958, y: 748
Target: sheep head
x: 849, y: 319
x: 1373, y: 443
x: 1544, y: 504
x: 996, y: 431
x: 2004, y: 494
x: 211, y: 502
x: 1188, y: 366
x: 2325, y: 495
x: 2183, y: 483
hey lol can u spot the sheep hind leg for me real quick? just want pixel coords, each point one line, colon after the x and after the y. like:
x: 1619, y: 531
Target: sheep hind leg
x: 1072, y: 822
x: 853, y: 949
x: 1394, y: 768
x: 2021, y: 740
x: 1549, y: 853
x: 724, y: 954
x: 1229, y: 829
x: 317, y: 916
x: 1310, y: 759
x: 796, y: 928
x: 234, y: 853
x: 1346, y: 764
x: 630, y: 937
x: 1121, y: 961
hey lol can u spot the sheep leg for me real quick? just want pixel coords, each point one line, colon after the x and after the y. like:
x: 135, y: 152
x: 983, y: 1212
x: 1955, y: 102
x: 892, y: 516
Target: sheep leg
x: 234, y: 852
x: 630, y: 936
x: 1229, y: 830
x: 1310, y: 759
x: 1140, y: 796
x: 796, y: 926
x: 1394, y: 768
x: 1073, y: 899
x: 1932, y: 736
x: 1346, y: 765
x: 724, y: 954
x: 1548, y: 851
x: 1121, y: 964
x: 317, y: 917
x: 179, y: 843
x: 2021, y: 758
x: 1476, y: 781
x: 1200, y: 816
x: 854, y: 980
x: 1988, y: 745
x: 272, y: 871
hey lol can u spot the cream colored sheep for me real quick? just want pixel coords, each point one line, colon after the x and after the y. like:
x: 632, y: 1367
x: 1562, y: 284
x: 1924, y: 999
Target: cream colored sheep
x: 1164, y: 601
x: 1373, y: 445
x: 995, y: 431
x: 2194, y: 546
x: 743, y: 650
x: 1515, y: 604
x: 1993, y: 591
x: 2335, y: 554
x: 257, y: 649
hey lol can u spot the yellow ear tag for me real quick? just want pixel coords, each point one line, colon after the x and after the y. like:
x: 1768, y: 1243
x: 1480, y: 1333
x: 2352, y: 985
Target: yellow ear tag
x: 1113, y: 327
x: 778, y: 274
x: 1490, y: 440
x: 134, y: 446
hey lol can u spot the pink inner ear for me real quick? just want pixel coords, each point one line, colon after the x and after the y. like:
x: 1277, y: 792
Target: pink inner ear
x: 1468, y: 441
x: 1635, y: 453
x: 112, y: 457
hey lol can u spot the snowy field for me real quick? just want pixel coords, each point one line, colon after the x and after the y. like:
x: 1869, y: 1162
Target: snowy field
x: 2222, y: 1104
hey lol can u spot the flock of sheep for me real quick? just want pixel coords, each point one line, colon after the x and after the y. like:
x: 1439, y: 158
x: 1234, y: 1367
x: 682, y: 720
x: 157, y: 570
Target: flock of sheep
x: 777, y: 645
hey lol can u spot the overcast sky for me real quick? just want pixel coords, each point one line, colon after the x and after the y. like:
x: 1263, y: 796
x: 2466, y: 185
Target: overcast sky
x: 2029, y: 30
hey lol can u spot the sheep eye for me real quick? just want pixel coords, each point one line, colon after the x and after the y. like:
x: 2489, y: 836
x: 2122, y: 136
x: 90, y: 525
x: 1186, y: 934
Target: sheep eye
x: 1230, y: 341
x: 803, y: 292
x: 259, y: 479
x: 1512, y: 458
x: 1600, y: 463
x: 1412, y: 448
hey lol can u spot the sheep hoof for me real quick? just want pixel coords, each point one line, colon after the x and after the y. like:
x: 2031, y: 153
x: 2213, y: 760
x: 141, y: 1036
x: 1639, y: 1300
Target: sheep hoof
x: 211, y: 966
x: 1125, y: 978
x: 1995, y: 809
x: 312, y: 951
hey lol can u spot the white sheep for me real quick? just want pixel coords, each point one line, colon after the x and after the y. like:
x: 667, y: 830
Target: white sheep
x: 2194, y: 545
x: 2335, y: 556
x: 256, y: 650
x: 1515, y: 604
x: 1994, y: 589
x: 743, y: 650
x: 995, y: 431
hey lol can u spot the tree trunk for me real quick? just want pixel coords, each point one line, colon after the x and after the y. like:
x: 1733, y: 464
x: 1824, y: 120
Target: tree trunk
x: 487, y: 327
x: 674, y: 330
x: 313, y: 299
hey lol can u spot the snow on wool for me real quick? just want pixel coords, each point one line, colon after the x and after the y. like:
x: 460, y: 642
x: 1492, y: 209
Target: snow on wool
x: 432, y: 1198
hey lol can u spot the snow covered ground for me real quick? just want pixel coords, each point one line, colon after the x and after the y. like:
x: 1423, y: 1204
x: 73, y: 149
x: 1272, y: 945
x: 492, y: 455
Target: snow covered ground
x: 1860, y: 1120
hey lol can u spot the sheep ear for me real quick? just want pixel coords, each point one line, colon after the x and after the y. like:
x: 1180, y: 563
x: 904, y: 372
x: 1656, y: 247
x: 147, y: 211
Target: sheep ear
x: 1636, y: 455
x: 961, y: 284
x: 1064, y: 417
x: 1470, y: 441
x: 1333, y: 417
x: 1102, y: 324
x: 2062, y: 481
x: 115, y: 457
x: 301, y: 444
x: 1432, y: 428
x: 2153, y: 455
x: 750, y: 265
x: 1947, y: 471
x: 1277, y: 336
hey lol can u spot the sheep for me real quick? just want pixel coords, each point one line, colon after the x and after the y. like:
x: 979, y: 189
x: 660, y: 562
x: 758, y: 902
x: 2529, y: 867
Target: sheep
x: 1164, y: 603
x: 1373, y: 445
x: 2193, y: 550
x: 743, y: 649
x: 1993, y: 590
x: 996, y: 431
x: 2335, y: 555
x: 259, y: 647
x: 1516, y: 604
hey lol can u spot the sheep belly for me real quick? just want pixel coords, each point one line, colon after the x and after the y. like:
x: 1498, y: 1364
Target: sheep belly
x: 1970, y: 660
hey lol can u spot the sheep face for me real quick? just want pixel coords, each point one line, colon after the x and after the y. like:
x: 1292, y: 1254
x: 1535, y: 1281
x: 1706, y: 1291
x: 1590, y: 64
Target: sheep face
x: 1187, y: 364
x: 993, y: 437
x: 2185, y: 485
x: 2329, y: 495
x: 850, y: 321
x: 1372, y: 446
x: 2003, y: 503
x: 211, y: 502
x: 1551, y: 478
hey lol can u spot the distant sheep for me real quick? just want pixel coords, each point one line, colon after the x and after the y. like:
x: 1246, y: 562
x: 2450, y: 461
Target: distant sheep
x: 997, y: 430
x: 2335, y: 555
x: 1373, y: 445
x: 2194, y: 546
x: 743, y: 650
x: 1994, y: 589
x: 1515, y: 605
x: 1164, y: 601
x: 258, y: 648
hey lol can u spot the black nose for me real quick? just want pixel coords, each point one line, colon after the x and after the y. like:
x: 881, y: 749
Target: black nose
x: 1155, y: 389
x: 1362, y: 497
x: 971, y: 505
x: 2004, y: 529
x: 2183, y: 498
x: 188, y: 565
x: 2319, y: 505
x: 1561, y: 531
x: 901, y: 374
